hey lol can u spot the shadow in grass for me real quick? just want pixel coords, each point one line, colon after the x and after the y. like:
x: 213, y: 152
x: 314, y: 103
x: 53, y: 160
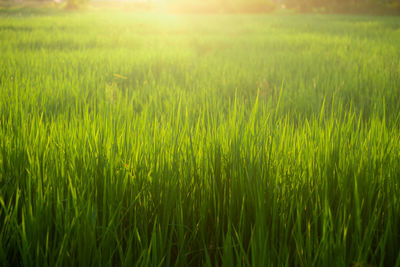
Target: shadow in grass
x: 15, y: 28
x: 28, y: 11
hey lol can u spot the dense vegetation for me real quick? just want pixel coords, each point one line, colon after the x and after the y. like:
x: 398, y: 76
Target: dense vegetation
x: 346, y: 6
x: 203, y: 140
x: 379, y: 7
x: 325, y: 6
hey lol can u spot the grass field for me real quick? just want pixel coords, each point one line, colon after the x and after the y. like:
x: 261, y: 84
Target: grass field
x: 216, y: 140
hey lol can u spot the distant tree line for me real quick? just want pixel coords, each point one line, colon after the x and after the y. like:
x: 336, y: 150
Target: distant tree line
x: 305, y: 6
x: 346, y: 6
x: 321, y: 6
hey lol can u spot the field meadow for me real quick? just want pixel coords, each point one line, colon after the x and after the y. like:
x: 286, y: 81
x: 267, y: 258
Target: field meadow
x: 145, y: 139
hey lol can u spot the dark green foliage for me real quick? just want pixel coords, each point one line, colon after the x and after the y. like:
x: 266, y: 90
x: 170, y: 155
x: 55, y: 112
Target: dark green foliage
x: 346, y: 6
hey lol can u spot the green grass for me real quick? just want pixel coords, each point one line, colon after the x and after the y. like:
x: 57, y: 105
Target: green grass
x: 155, y: 140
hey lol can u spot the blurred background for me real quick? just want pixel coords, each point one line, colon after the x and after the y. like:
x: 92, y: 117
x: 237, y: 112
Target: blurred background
x: 224, y: 6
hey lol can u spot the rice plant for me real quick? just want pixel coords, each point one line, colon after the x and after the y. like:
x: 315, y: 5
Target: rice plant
x: 204, y: 140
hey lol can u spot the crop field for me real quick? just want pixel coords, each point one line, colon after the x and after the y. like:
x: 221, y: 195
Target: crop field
x: 145, y: 139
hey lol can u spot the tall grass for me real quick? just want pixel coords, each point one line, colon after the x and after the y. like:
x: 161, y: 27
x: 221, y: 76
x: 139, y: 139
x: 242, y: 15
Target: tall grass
x: 145, y: 140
